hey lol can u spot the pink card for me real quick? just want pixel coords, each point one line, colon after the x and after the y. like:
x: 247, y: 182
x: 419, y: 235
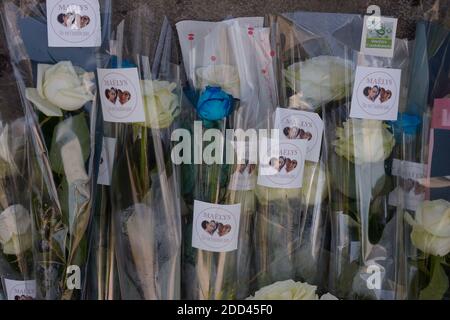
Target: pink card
x: 441, y: 114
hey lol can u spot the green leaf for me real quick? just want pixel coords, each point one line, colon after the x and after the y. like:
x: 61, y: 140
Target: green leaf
x: 438, y: 285
x: 78, y: 126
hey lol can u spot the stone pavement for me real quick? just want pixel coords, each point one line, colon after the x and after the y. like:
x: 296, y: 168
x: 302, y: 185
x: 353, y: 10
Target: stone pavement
x: 406, y: 10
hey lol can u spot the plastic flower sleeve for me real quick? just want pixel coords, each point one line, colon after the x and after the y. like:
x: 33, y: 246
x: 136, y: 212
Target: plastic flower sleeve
x: 58, y: 91
x: 291, y: 230
x: 145, y: 182
x: 424, y: 198
x: 16, y: 256
x: 103, y: 283
x: 320, y: 60
x: 16, y: 259
x: 218, y: 61
x: 291, y: 224
x: 361, y: 153
x: 253, y: 54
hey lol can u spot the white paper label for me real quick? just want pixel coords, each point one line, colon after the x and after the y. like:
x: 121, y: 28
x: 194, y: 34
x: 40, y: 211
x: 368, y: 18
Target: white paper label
x: 412, y: 193
x: 285, y: 165
x: 106, y: 161
x: 301, y: 125
x: 216, y: 227
x: 20, y: 290
x: 121, y: 96
x: 376, y: 93
x: 378, y: 37
x: 73, y: 23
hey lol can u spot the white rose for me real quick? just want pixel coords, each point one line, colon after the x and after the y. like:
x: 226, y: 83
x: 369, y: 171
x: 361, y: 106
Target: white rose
x: 60, y: 86
x: 161, y: 104
x: 314, y: 184
x: 286, y: 290
x: 15, y: 230
x: 431, y: 227
x: 223, y: 76
x: 289, y: 290
x: 320, y: 79
x: 364, y: 141
x: 328, y: 296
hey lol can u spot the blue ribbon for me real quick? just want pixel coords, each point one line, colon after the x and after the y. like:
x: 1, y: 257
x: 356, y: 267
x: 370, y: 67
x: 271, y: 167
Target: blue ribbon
x: 406, y: 124
x: 124, y: 63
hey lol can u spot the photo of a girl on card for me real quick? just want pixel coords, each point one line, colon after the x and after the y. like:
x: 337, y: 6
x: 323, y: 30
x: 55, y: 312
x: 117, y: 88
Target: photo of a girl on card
x: 209, y: 226
x: 111, y: 95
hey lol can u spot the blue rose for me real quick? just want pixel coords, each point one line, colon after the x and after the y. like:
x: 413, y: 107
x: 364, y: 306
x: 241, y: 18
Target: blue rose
x: 214, y: 104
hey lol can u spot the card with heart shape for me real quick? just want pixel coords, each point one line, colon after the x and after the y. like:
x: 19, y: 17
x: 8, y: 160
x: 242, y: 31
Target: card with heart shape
x: 284, y: 167
x: 376, y: 93
x: 216, y: 226
x: 73, y: 23
x: 301, y: 125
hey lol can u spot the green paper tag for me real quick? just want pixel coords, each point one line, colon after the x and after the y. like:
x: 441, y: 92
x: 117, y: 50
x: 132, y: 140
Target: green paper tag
x: 378, y: 36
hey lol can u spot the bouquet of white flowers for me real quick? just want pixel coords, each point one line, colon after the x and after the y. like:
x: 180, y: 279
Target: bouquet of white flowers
x: 57, y: 86
x: 425, y: 197
x: 231, y: 85
x: 144, y: 193
x: 16, y: 257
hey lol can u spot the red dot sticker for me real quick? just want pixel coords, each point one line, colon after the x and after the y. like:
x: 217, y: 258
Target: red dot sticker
x: 264, y: 71
x: 272, y: 53
x: 213, y: 58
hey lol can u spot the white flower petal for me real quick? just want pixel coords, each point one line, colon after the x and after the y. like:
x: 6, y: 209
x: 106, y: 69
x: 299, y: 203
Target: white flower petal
x: 328, y: 296
x: 428, y: 243
x: 45, y: 106
x: 224, y: 76
x: 364, y: 141
x: 297, y: 101
x: 41, y: 70
x: 286, y: 290
x: 14, y: 220
x: 160, y: 102
x: 431, y: 227
x: 320, y: 79
x: 434, y: 216
x: 66, y: 92
x: 18, y: 244
x: 61, y: 86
